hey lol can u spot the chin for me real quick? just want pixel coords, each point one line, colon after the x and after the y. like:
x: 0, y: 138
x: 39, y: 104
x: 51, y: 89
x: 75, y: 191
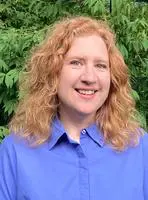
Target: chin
x: 86, y: 112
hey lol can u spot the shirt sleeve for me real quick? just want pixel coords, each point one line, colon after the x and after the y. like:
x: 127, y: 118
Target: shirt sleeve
x: 145, y: 153
x: 7, y: 170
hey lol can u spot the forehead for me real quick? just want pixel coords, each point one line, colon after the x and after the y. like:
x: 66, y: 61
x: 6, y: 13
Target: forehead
x: 88, y: 46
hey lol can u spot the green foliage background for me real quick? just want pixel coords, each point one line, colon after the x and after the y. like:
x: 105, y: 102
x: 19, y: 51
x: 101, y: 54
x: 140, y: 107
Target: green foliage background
x: 23, y: 24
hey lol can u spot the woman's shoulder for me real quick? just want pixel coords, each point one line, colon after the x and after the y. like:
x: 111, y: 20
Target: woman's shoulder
x: 12, y: 140
x: 144, y: 143
x: 20, y: 145
x: 8, y: 141
x: 12, y: 143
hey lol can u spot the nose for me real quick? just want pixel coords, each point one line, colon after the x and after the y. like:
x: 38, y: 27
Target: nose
x: 88, y: 75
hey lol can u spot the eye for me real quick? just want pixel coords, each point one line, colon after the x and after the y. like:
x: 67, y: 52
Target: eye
x: 75, y: 62
x: 101, y: 66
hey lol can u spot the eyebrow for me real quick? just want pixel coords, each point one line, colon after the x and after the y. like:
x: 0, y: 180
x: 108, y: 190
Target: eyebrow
x: 84, y: 58
x: 75, y: 57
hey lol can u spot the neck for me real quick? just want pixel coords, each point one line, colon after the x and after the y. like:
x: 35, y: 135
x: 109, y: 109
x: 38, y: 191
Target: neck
x: 74, y: 123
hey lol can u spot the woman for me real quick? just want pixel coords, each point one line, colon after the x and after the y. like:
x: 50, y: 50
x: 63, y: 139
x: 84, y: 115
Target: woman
x: 74, y: 135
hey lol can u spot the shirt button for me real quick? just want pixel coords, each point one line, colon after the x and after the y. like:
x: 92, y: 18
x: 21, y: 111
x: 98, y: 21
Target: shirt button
x: 83, y: 131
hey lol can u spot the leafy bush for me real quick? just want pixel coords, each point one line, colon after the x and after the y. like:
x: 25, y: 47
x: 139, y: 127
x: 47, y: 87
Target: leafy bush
x: 24, y: 23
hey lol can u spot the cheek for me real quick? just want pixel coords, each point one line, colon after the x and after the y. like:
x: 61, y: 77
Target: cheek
x: 68, y: 77
x: 105, y: 81
x: 65, y: 81
x: 63, y: 78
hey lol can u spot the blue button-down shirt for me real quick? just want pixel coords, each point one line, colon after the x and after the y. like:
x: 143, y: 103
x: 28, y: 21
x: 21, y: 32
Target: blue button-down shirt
x: 62, y: 169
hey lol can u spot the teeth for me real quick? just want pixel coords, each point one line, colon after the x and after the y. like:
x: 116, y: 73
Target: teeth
x: 86, y: 91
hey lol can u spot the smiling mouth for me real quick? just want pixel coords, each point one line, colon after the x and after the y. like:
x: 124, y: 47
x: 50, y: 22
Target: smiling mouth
x: 86, y: 92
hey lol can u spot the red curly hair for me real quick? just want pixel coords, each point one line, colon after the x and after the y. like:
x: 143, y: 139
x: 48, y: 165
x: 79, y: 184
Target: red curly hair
x: 116, y: 118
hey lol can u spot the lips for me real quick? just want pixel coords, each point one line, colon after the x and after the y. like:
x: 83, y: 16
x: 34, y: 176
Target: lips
x: 86, y: 93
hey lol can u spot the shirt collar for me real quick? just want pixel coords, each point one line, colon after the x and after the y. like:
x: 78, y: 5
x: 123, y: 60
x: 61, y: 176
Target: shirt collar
x: 95, y: 133
x: 58, y: 131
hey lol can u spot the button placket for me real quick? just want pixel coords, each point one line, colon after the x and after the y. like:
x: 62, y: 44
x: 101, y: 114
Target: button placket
x: 83, y: 174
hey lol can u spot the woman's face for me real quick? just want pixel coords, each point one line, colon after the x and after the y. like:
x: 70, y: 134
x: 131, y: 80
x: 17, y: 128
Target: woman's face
x: 84, y: 81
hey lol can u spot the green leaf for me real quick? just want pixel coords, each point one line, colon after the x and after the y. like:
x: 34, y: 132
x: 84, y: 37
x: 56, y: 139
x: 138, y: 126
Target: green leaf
x: 145, y: 44
x: 9, y: 106
x: 11, y: 78
x: 96, y: 7
x: 9, y: 81
x: 136, y: 46
x: 123, y: 50
x: 135, y: 95
x: 142, y: 119
x: 55, y: 8
x: 3, y: 7
x: 3, y: 65
x: 2, y: 96
x: 2, y: 76
x: 3, y: 132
